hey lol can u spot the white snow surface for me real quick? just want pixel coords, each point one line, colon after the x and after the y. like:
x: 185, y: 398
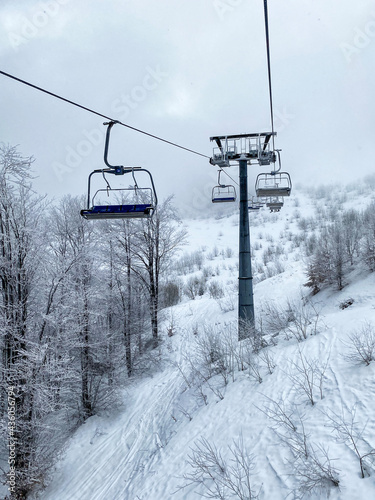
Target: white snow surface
x: 139, y: 452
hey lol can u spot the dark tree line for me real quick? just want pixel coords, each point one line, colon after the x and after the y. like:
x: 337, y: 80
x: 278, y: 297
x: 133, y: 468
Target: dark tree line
x: 79, y: 305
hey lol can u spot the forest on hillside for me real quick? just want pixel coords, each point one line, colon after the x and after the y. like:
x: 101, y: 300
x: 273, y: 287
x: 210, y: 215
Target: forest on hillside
x: 79, y: 307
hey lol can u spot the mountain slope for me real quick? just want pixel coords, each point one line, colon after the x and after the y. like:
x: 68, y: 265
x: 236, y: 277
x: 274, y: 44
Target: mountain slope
x: 141, y: 451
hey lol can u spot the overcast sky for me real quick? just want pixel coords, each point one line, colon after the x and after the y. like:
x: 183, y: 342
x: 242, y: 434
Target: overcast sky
x: 187, y: 70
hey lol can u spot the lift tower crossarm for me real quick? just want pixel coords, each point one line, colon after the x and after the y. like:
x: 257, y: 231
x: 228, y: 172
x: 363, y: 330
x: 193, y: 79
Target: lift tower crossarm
x: 240, y: 136
x: 253, y: 147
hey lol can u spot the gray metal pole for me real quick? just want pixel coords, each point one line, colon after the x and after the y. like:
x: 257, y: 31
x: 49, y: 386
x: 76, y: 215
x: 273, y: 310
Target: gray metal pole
x: 245, y: 286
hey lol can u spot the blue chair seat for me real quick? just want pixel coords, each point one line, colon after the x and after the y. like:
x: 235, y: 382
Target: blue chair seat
x: 117, y: 211
x: 220, y: 200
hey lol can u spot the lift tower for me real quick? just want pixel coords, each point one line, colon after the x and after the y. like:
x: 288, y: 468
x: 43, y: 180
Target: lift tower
x: 246, y: 149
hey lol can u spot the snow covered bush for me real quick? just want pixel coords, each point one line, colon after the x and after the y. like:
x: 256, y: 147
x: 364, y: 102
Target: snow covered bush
x: 304, y: 319
x: 274, y: 317
x: 222, y: 478
x: 309, y: 462
x: 228, y: 302
x: 361, y: 345
x: 295, y: 318
x: 215, y: 290
x: 307, y: 376
x: 189, y: 262
x: 349, y: 431
x: 170, y: 293
x: 195, y: 286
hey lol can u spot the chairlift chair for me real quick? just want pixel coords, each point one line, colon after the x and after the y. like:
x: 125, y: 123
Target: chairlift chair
x: 255, y: 204
x: 141, y: 206
x: 138, y: 202
x: 273, y: 184
x: 275, y: 204
x: 223, y: 193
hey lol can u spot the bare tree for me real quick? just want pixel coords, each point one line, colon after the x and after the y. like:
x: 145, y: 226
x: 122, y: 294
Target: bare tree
x: 121, y: 234
x: 330, y: 260
x: 367, y: 248
x: 156, y: 242
x: 352, y: 231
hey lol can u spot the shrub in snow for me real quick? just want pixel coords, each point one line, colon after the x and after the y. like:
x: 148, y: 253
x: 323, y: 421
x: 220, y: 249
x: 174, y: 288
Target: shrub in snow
x: 212, y: 352
x: 315, y: 472
x: 297, y: 240
x: 307, y: 376
x: 195, y: 286
x: 170, y: 293
x: 189, y: 262
x: 214, y: 253
x: 349, y: 432
x: 252, y: 337
x: 273, y: 268
x: 228, y: 302
x: 172, y: 324
x: 228, y: 252
x: 361, y: 345
x: 295, y: 318
x: 220, y: 477
x: 304, y: 224
x: 310, y: 463
x: 275, y: 318
x: 268, y: 359
x: 310, y: 244
x: 208, y: 272
x: 304, y: 320
x: 215, y: 290
x: 251, y: 362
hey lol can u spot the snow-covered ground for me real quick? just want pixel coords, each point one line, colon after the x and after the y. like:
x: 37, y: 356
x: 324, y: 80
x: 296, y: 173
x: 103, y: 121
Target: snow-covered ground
x: 140, y: 452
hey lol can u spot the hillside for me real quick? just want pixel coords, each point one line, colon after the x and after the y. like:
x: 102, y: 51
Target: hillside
x: 295, y: 411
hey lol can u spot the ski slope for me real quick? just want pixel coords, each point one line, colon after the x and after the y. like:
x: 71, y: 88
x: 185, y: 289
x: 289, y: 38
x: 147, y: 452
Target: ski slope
x: 140, y: 452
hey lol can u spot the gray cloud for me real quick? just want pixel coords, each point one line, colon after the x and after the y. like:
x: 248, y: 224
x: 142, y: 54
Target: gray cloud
x: 188, y: 70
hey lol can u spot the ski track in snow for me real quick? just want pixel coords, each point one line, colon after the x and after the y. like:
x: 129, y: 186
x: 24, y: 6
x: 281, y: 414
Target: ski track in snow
x: 108, y: 467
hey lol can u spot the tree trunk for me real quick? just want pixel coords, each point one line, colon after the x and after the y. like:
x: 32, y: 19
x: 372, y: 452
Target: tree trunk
x: 85, y: 360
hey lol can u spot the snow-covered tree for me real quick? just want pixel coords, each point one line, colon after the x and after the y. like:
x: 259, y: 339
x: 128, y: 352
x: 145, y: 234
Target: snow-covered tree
x: 21, y: 256
x: 157, y: 240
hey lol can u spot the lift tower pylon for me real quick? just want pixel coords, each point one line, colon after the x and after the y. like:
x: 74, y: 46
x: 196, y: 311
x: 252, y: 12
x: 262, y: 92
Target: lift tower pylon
x: 244, y: 149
